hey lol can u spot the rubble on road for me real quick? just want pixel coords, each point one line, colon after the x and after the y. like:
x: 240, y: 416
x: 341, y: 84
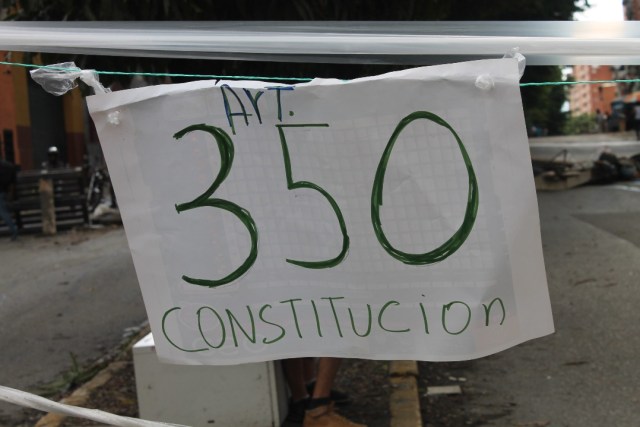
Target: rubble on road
x: 560, y: 173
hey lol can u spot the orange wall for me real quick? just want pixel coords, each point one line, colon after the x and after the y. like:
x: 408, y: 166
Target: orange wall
x: 15, y: 115
x: 7, y: 105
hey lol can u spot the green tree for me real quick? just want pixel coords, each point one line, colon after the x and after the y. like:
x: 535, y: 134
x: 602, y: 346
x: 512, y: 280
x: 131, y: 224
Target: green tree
x: 205, y: 10
x: 584, y: 123
x: 542, y: 104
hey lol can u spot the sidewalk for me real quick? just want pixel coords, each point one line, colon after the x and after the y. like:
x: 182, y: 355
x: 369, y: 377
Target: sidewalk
x: 584, y: 148
x: 589, y: 137
x: 63, y: 300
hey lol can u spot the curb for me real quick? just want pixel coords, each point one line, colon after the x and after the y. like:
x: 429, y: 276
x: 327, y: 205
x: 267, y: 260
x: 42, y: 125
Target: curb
x: 81, y: 395
x: 404, y: 403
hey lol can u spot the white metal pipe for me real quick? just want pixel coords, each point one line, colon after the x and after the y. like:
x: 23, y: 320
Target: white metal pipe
x: 29, y: 400
x: 542, y: 42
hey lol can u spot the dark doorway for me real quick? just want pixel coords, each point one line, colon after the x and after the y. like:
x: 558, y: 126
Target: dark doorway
x: 47, y: 124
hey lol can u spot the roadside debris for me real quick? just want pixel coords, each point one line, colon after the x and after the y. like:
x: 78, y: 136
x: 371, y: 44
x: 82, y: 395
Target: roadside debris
x: 105, y: 214
x: 560, y: 173
x: 443, y: 389
x: 610, y: 168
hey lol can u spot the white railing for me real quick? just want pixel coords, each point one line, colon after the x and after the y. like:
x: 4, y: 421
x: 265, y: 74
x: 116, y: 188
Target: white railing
x: 542, y: 42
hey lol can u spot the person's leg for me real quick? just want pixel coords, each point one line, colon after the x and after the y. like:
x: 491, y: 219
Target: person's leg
x: 321, y: 413
x: 6, y: 216
x: 309, y: 369
x: 294, y: 375
x: 338, y: 397
x: 327, y: 371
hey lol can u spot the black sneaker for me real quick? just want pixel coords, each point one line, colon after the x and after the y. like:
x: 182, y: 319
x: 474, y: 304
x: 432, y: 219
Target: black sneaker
x: 295, y: 416
x: 340, y: 398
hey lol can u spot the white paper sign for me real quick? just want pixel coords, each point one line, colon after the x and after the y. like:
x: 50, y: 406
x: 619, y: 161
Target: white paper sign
x: 391, y: 217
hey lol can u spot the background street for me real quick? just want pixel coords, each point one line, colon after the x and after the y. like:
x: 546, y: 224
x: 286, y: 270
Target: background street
x: 71, y: 294
x: 586, y: 374
x: 77, y: 293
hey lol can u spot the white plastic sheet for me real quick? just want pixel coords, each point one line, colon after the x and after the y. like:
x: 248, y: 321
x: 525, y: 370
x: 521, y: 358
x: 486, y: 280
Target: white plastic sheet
x: 313, y: 201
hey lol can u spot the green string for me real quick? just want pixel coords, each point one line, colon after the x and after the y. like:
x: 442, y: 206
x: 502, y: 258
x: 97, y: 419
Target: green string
x: 298, y: 79
x: 197, y: 76
x: 204, y: 76
x: 584, y: 82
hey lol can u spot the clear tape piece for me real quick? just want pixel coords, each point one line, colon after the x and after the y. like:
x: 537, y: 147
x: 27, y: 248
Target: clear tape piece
x: 58, y: 79
x: 522, y: 61
x: 29, y: 400
x: 485, y: 82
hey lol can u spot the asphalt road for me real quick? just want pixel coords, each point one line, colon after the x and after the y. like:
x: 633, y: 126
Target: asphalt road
x: 71, y: 294
x: 587, y: 374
